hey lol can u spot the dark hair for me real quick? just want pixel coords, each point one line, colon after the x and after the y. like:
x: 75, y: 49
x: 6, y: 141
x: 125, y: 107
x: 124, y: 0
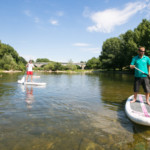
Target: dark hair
x: 141, y: 47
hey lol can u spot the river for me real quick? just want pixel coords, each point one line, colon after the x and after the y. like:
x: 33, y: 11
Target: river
x: 72, y: 112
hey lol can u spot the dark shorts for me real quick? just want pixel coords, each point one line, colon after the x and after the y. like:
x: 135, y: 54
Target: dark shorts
x: 142, y: 81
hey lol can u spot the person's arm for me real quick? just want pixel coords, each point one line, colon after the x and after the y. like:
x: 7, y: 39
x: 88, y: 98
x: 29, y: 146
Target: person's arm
x: 149, y: 70
x: 132, y: 65
x: 148, y: 66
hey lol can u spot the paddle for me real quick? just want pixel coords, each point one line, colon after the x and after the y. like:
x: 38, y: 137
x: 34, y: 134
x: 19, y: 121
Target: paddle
x: 142, y: 71
x: 22, y: 80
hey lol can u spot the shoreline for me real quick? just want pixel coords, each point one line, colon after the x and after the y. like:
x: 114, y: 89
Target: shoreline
x: 70, y: 71
x: 9, y: 71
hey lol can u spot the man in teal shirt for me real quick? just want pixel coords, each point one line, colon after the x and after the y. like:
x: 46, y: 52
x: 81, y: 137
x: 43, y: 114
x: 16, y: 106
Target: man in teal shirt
x: 141, y: 62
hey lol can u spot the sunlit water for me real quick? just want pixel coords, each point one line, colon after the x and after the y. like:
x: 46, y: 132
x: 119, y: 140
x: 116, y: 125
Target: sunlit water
x: 72, y: 112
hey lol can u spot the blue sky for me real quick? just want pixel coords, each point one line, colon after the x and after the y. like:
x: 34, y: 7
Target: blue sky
x: 61, y: 30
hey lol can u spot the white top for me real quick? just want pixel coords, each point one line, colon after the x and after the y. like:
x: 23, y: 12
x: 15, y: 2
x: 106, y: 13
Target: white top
x: 30, y: 66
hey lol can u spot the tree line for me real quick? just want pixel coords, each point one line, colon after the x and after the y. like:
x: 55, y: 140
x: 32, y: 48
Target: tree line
x: 51, y: 65
x: 116, y: 53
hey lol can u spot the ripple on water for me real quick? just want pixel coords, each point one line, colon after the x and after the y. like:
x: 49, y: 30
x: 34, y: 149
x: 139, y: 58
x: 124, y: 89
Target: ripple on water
x: 71, y: 112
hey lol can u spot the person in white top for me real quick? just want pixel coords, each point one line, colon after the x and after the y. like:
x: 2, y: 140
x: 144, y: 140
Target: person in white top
x: 29, y: 70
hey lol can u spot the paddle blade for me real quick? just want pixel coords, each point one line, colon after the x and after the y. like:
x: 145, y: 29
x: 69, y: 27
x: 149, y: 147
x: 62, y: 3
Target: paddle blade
x: 22, y: 80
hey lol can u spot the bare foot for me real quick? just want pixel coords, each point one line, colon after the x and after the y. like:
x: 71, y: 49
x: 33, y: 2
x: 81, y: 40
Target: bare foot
x: 148, y: 102
x: 133, y: 101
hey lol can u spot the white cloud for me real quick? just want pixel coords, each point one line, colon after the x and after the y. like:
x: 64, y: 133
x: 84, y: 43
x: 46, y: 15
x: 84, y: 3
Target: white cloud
x: 27, y: 13
x: 106, y: 20
x: 53, y: 22
x: 80, y: 44
x: 86, y: 48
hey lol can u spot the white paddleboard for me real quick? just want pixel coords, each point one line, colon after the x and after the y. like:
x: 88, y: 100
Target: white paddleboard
x: 34, y: 83
x: 22, y: 81
x: 139, y: 111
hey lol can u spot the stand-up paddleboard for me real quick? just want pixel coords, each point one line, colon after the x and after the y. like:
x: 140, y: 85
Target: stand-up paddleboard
x: 22, y: 81
x: 139, y: 111
x: 34, y: 83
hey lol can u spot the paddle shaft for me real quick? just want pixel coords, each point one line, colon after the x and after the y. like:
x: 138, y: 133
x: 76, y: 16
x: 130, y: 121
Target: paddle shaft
x: 141, y: 71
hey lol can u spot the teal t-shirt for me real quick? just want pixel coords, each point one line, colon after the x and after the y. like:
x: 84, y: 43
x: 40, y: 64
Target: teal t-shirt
x: 142, y: 64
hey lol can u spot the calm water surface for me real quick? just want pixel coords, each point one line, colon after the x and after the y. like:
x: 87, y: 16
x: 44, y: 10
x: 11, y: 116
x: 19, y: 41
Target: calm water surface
x: 72, y: 112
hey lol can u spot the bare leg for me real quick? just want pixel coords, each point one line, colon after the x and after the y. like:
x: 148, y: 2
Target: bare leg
x: 147, y: 98
x: 135, y: 96
x: 31, y: 77
x: 26, y: 78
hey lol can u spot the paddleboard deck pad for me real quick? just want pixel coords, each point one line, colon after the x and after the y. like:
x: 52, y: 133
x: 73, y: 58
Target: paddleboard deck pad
x: 139, y: 111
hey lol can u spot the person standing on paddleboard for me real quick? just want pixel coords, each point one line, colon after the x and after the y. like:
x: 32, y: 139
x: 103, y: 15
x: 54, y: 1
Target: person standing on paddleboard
x: 141, y: 62
x: 29, y: 70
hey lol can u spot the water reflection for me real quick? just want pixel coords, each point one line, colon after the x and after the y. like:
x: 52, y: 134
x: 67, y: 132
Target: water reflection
x: 71, y: 112
x: 29, y: 96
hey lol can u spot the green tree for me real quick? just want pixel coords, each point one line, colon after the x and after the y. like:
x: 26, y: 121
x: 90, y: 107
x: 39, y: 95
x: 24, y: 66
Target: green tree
x: 7, y: 62
x: 42, y: 60
x: 49, y: 66
x: 15, y: 61
x: 128, y: 47
x: 142, y: 34
x: 57, y: 66
x: 70, y: 65
x: 111, y: 54
x: 93, y: 63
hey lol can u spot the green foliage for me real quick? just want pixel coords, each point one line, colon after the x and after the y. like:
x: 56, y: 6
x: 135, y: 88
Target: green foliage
x: 7, y: 62
x: 42, y: 60
x: 93, y: 63
x: 49, y: 66
x: 9, y: 58
x: 110, y: 56
x: 128, y: 47
x: 7, y: 49
x: 22, y: 60
x: 118, y: 52
x: 58, y: 66
x: 70, y: 66
x: 143, y: 34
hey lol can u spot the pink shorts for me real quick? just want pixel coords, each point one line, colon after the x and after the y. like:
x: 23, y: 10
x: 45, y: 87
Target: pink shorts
x: 29, y: 72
